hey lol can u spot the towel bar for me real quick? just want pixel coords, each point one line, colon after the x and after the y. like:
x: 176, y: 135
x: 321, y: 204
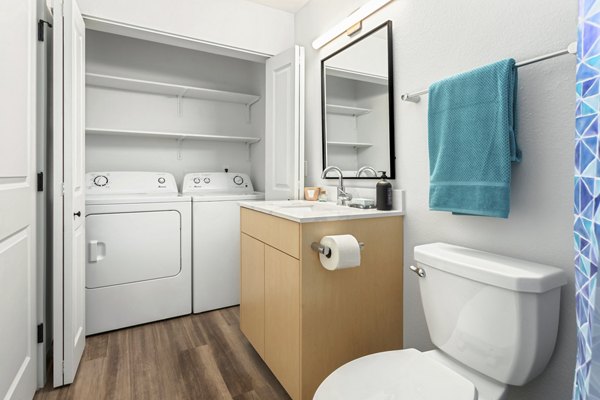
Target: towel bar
x: 415, y: 97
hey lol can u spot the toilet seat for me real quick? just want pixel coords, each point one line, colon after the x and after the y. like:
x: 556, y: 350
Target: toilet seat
x: 395, y: 375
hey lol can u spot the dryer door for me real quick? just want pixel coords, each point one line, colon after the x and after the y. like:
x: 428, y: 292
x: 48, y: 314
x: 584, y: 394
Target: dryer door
x: 132, y: 247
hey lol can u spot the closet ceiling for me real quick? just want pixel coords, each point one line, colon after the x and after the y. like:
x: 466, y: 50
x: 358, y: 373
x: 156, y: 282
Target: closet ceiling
x: 286, y: 5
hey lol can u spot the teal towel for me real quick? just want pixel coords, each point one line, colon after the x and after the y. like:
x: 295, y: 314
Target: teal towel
x: 472, y: 140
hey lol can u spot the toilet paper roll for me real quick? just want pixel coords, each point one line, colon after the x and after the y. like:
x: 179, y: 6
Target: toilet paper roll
x: 345, y: 252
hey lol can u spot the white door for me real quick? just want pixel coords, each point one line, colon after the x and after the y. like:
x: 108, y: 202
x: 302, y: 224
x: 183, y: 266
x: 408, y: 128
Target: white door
x: 68, y: 190
x: 284, y: 134
x: 18, y: 41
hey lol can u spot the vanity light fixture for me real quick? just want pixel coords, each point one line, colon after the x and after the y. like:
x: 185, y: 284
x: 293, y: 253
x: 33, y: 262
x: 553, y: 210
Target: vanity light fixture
x: 353, y: 19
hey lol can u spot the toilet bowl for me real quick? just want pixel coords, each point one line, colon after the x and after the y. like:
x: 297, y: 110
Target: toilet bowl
x: 494, y: 322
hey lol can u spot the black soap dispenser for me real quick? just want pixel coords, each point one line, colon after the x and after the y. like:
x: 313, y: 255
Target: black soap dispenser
x: 384, y: 193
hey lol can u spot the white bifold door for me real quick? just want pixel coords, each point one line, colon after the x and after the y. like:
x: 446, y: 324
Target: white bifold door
x: 284, y: 130
x: 18, y: 41
x: 68, y: 190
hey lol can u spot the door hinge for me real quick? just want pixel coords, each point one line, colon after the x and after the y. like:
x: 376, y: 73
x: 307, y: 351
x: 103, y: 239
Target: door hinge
x: 40, y: 333
x: 40, y: 29
x: 40, y: 182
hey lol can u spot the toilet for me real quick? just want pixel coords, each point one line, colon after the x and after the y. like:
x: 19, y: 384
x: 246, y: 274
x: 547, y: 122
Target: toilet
x: 493, y: 320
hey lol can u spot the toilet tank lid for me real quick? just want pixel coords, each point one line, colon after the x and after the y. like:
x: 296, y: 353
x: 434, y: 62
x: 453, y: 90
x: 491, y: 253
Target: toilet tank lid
x: 492, y: 269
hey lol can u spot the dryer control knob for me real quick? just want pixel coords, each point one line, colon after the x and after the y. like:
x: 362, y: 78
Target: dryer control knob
x: 196, y: 180
x: 161, y: 180
x: 207, y: 180
x: 238, y: 180
x: 101, y: 180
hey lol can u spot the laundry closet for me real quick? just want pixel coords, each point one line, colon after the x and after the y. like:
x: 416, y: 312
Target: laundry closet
x: 141, y: 115
x: 155, y: 107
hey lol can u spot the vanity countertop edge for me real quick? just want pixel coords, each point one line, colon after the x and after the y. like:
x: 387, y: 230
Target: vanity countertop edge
x: 334, y: 212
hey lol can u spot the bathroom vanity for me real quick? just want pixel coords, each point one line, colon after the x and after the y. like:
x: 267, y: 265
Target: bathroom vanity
x: 306, y: 321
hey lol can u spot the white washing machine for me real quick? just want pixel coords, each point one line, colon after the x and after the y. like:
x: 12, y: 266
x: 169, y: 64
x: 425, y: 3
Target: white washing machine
x: 139, y: 256
x: 216, y: 236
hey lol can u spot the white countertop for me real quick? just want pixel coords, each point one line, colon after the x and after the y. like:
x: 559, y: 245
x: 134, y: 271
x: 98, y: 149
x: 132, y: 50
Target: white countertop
x: 312, y: 211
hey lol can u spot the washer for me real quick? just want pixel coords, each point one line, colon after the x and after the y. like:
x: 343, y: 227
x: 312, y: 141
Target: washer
x: 139, y: 256
x: 216, y: 236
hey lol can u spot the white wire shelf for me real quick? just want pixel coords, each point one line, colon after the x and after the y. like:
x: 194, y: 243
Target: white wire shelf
x: 169, y: 89
x: 174, y: 135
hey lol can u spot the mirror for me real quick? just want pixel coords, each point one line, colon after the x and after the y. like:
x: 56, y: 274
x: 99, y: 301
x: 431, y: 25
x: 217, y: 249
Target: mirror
x: 357, y: 98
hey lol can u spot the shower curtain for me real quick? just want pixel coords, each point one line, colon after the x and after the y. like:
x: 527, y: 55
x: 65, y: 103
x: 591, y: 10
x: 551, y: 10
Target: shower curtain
x: 587, y: 203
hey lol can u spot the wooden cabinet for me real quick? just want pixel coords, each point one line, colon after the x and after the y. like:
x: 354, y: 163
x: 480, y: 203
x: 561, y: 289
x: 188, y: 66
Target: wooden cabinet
x: 306, y: 321
x: 252, y: 296
x: 282, y: 318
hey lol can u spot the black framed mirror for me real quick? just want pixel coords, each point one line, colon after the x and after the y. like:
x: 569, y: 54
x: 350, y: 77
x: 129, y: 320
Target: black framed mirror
x: 357, y: 106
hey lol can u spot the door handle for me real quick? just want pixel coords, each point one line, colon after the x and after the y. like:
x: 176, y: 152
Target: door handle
x: 96, y: 251
x: 77, y: 214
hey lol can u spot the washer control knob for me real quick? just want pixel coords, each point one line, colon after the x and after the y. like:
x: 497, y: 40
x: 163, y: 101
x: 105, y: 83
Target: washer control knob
x: 206, y: 180
x: 161, y: 180
x: 196, y: 180
x: 101, y: 180
x: 238, y: 180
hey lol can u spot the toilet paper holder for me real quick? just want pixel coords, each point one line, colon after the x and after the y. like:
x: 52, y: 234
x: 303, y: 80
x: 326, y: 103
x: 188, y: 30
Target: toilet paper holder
x: 326, y: 251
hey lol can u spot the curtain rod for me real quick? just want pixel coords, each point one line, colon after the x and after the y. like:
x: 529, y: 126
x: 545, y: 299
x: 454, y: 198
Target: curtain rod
x: 415, y: 97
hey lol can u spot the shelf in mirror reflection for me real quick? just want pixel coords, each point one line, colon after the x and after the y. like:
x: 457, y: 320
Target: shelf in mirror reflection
x: 356, y: 145
x: 346, y: 110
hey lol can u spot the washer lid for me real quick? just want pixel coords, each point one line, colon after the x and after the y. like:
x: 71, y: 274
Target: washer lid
x: 395, y: 375
x: 229, y: 196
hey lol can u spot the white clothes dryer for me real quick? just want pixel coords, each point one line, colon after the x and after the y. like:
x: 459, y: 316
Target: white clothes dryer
x: 139, y: 256
x: 216, y: 236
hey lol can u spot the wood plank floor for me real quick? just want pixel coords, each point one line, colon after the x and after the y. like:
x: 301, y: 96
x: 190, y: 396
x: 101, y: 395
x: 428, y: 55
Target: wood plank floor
x: 202, y: 356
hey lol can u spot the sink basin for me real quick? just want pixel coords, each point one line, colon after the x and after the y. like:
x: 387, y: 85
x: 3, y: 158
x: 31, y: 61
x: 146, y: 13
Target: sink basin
x: 308, y: 208
x: 300, y: 208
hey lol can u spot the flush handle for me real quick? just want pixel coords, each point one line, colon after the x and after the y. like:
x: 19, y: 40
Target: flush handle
x: 417, y: 270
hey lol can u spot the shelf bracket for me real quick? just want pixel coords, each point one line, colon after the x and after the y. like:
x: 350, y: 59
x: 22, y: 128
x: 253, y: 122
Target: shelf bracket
x: 179, y: 105
x: 249, y: 110
x: 249, y: 151
x: 180, y: 148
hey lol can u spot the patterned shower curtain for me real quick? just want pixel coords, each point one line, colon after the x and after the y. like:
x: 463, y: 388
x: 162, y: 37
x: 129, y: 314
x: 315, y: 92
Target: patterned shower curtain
x: 587, y: 203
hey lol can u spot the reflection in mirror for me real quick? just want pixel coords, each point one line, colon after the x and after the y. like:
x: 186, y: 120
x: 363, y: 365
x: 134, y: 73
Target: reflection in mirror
x: 357, y: 97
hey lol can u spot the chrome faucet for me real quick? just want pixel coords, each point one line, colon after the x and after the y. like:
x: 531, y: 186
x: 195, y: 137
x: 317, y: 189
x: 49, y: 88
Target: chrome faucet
x: 366, y: 168
x: 343, y: 198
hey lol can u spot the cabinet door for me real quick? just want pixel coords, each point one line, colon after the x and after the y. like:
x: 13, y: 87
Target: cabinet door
x: 282, y: 318
x: 252, y: 297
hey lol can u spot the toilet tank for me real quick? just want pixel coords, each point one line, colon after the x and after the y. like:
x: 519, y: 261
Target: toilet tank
x: 495, y: 314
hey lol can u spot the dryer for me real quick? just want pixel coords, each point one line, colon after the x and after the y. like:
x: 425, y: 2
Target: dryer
x: 216, y: 236
x: 139, y: 257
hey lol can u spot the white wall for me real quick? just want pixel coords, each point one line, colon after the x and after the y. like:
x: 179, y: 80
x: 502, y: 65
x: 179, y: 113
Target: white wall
x: 435, y: 39
x: 113, y: 109
x: 238, y: 24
